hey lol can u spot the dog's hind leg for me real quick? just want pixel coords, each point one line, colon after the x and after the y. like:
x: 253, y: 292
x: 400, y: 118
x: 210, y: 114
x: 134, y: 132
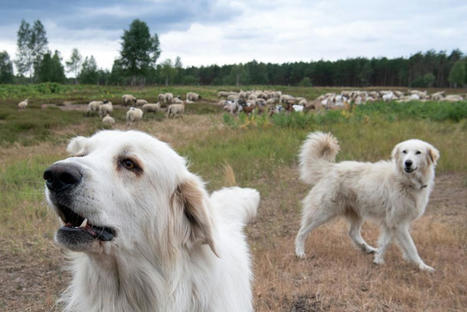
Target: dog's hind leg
x: 354, y: 233
x: 408, y: 247
x: 310, y: 221
x: 383, y: 243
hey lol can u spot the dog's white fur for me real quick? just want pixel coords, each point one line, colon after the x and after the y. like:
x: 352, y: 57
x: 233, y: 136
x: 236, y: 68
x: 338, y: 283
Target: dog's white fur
x: 383, y: 191
x: 176, y: 248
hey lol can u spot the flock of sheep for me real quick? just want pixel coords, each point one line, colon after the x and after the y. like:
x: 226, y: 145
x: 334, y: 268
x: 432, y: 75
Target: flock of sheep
x: 138, y: 107
x: 275, y: 102
x: 266, y: 101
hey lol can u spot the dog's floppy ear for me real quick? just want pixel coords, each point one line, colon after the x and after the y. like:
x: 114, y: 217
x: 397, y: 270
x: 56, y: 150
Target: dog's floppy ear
x: 433, y: 154
x: 192, y: 199
x: 77, y: 146
x: 395, y: 153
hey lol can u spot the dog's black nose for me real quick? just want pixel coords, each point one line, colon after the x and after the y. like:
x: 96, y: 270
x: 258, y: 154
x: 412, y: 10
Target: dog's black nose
x: 408, y: 163
x: 59, y: 177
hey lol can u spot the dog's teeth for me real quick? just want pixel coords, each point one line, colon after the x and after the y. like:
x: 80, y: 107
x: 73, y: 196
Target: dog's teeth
x: 85, y: 222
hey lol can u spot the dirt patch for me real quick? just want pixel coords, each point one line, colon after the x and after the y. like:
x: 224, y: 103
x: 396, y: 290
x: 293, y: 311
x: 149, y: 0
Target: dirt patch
x: 334, y: 277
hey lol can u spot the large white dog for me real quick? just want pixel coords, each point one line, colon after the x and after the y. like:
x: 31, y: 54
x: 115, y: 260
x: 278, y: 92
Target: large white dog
x: 144, y: 233
x: 393, y: 192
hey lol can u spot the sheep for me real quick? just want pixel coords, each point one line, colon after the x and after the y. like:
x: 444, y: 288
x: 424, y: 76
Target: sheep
x: 141, y: 102
x: 438, y: 96
x: 298, y: 107
x: 453, y: 98
x: 93, y: 106
x: 169, y: 98
x: 23, y: 104
x: 161, y: 98
x: 108, y: 120
x: 151, y: 107
x: 192, y: 96
x: 128, y: 100
x: 175, y: 110
x: 230, y: 106
x: 134, y: 114
x: 105, y: 108
x: 177, y: 100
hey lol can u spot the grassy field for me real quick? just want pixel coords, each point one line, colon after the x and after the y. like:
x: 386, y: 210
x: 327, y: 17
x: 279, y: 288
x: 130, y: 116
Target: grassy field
x: 263, y: 154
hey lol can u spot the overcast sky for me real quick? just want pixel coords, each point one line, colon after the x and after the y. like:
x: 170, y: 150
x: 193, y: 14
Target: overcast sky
x: 220, y: 32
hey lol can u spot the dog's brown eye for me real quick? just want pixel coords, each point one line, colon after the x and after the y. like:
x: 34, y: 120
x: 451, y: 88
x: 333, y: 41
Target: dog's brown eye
x: 417, y: 152
x: 404, y: 151
x: 128, y: 164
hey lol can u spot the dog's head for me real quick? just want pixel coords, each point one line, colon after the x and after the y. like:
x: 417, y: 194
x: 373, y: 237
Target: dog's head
x: 127, y: 190
x: 414, y: 156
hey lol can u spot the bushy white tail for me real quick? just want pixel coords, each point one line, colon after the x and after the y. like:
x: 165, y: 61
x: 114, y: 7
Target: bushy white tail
x: 317, y: 154
x: 236, y: 203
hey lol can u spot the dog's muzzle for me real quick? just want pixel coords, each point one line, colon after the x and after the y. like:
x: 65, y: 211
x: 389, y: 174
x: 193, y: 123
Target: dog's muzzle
x: 408, y: 166
x: 61, y: 177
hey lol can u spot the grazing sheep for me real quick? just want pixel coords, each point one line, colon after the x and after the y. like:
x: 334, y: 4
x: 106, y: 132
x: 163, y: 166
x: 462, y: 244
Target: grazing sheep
x: 177, y: 100
x: 108, y: 120
x: 453, y: 98
x: 128, y: 100
x: 93, y: 106
x: 105, y: 108
x: 151, y: 107
x: 23, y: 104
x: 298, y: 107
x: 141, y: 102
x: 438, y: 96
x: 161, y: 98
x: 192, y: 96
x: 175, y: 110
x: 134, y: 114
x: 169, y: 97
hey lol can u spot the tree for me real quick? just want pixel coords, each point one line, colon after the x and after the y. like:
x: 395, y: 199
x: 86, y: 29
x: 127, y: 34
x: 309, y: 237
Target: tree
x: 50, y: 68
x: 6, y: 68
x: 139, y: 51
x: 167, y: 71
x: 89, y: 72
x: 32, y: 45
x: 74, y: 64
x: 457, y: 74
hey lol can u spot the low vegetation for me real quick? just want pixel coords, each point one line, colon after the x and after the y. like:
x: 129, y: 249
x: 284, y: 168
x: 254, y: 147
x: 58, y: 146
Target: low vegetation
x: 262, y: 151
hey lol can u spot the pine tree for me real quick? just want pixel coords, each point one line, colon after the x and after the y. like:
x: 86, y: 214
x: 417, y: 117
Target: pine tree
x: 74, y: 64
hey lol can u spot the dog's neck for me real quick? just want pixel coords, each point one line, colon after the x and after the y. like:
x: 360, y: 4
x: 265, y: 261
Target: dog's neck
x: 417, y: 181
x: 124, y: 281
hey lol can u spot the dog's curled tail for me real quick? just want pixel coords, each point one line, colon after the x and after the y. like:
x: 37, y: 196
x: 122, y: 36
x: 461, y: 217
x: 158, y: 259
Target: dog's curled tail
x: 237, y: 203
x: 317, y: 155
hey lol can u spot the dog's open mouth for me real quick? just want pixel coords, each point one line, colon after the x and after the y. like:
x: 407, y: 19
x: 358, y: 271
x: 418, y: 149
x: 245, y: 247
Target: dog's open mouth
x: 78, y: 229
x: 409, y: 169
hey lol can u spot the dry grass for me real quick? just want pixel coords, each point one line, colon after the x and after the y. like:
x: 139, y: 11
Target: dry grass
x: 334, y: 277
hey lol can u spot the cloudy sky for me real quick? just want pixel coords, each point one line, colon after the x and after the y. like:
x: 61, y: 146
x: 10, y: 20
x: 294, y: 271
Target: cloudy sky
x: 206, y: 32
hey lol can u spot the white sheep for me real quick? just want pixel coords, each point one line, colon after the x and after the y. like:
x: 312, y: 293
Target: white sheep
x: 134, y: 114
x: 93, y: 106
x: 175, y: 110
x: 105, y: 108
x: 177, y: 100
x: 23, y: 104
x: 169, y: 98
x: 141, y: 102
x: 108, y: 120
x: 128, y: 100
x: 151, y: 107
x: 192, y: 96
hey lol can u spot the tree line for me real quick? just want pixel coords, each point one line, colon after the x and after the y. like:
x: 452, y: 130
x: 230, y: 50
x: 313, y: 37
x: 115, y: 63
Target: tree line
x: 140, y: 51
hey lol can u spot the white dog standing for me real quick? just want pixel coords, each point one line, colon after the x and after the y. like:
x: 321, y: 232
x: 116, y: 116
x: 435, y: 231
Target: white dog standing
x: 144, y: 233
x: 392, y: 192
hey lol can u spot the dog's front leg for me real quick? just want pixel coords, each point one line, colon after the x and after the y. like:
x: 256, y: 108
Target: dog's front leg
x: 383, y: 243
x: 408, y: 247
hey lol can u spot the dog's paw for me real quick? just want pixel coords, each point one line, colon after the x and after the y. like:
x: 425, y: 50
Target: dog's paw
x: 300, y: 253
x: 378, y: 260
x: 425, y: 267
